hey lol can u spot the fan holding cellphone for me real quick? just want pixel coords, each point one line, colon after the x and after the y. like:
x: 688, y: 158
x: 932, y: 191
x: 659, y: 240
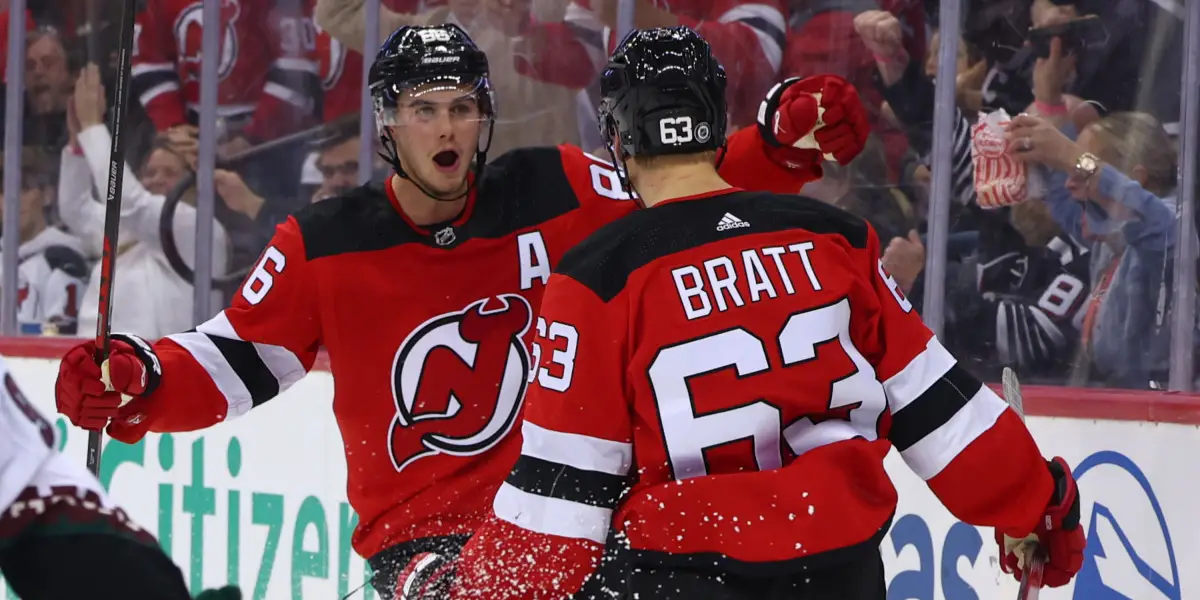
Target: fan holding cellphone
x: 1078, y: 35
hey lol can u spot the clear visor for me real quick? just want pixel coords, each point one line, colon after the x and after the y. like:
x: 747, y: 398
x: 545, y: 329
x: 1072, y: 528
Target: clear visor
x: 452, y: 99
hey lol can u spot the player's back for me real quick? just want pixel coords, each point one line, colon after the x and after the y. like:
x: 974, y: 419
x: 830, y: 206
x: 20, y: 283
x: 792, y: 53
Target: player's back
x: 755, y: 413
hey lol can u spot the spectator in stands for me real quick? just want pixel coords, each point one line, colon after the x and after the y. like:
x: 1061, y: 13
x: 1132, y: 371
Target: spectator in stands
x: 907, y: 85
x: 48, y: 83
x: 155, y: 300
x: 52, y: 267
x: 337, y: 162
x: 1138, y: 64
x: 862, y: 188
x: 267, y: 71
x: 535, y: 91
x: 1113, y: 188
x: 268, y: 84
x: 47, y: 78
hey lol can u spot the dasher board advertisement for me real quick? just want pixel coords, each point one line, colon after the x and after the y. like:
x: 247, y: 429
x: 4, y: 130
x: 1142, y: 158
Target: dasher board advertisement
x: 260, y: 501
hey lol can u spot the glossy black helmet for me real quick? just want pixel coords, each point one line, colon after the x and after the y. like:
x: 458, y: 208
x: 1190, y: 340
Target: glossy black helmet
x: 663, y: 92
x: 415, y: 56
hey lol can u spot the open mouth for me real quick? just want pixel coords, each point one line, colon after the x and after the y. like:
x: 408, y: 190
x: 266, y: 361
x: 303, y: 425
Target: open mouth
x: 446, y: 160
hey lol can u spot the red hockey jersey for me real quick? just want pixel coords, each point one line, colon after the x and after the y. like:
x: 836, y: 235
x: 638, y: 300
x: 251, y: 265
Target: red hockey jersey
x: 748, y: 353
x: 267, y: 70
x: 426, y: 396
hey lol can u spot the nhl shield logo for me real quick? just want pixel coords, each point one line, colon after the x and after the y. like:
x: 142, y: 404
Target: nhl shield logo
x: 458, y: 380
x: 444, y: 237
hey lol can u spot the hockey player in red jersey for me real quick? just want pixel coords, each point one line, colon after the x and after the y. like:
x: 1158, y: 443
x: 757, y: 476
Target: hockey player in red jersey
x: 454, y: 252
x: 741, y: 366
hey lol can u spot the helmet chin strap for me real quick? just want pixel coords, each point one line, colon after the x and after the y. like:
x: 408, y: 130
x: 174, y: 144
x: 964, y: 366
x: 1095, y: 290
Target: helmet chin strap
x: 623, y: 174
x: 391, y: 155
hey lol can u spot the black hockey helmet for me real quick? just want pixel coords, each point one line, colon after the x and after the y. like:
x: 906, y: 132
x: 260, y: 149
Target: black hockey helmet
x: 417, y: 59
x: 662, y: 92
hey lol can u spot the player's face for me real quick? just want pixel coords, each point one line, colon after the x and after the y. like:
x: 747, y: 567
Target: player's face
x: 437, y: 133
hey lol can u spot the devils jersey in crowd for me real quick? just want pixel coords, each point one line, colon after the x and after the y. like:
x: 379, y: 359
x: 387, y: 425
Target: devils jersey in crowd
x: 426, y: 328
x: 50, y: 281
x: 749, y: 354
x: 266, y: 69
x: 1035, y: 301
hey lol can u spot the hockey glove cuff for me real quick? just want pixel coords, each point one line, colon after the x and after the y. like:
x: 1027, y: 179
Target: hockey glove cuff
x: 1057, y: 534
x: 89, y: 395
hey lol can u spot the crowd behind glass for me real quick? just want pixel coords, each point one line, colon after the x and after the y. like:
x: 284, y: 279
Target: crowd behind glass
x: 1072, y: 287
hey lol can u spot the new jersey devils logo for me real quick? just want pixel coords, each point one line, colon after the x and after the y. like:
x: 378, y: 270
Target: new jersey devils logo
x: 458, y: 380
x: 188, y: 33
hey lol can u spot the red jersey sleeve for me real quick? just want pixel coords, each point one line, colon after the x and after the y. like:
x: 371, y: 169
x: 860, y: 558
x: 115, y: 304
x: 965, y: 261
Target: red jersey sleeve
x: 266, y: 340
x: 553, y: 513
x: 155, y: 79
x: 287, y: 101
x: 947, y: 425
x: 747, y: 166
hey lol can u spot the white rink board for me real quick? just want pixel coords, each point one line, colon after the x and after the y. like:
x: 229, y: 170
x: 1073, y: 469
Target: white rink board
x: 275, y: 480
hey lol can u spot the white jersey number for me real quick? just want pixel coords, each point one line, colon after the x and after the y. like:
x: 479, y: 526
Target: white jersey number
x: 563, y: 359
x: 1061, y: 295
x: 605, y: 180
x: 261, y: 280
x: 688, y: 434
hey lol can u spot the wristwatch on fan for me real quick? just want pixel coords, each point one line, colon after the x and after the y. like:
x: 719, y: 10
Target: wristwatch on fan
x: 1086, y: 166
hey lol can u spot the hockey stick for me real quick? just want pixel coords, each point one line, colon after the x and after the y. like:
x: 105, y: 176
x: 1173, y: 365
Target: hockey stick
x: 112, y: 210
x: 1035, y: 560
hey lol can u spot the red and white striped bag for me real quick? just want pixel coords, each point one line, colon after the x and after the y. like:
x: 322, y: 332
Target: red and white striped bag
x: 1001, y: 179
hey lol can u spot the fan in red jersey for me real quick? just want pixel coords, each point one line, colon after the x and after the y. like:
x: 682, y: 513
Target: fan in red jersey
x: 454, y: 250
x: 749, y: 354
x: 266, y: 69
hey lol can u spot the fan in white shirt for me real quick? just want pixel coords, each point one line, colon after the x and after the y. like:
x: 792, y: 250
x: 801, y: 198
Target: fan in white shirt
x: 150, y: 298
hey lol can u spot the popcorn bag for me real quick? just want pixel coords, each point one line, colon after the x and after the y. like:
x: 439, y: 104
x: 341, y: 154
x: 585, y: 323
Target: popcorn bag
x: 1000, y: 178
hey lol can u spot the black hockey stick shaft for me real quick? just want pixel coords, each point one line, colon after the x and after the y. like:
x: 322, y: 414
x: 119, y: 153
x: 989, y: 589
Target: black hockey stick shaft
x: 112, y: 206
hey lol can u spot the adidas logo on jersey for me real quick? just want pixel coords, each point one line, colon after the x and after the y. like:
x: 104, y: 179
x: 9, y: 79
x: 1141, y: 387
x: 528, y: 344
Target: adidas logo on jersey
x: 730, y: 222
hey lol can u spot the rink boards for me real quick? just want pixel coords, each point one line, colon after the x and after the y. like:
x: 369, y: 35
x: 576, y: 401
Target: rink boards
x: 260, y: 501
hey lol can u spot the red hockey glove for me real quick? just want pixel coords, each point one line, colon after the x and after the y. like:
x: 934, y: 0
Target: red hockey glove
x: 1057, y: 534
x: 805, y: 121
x: 80, y: 392
x: 426, y: 577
